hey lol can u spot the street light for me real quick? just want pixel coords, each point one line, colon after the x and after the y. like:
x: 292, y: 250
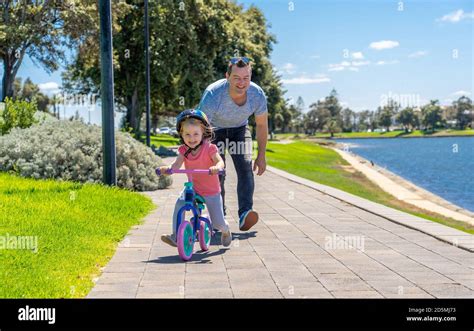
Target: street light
x: 147, y: 74
x: 107, y: 93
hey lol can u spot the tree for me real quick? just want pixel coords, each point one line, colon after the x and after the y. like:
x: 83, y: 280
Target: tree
x: 386, y: 113
x: 55, y: 102
x: 40, y: 29
x: 347, y: 120
x: 276, y: 103
x: 431, y: 115
x: 407, y: 118
x: 464, y: 112
x: 300, y: 105
x: 332, y: 127
x: 190, y: 44
x: 317, y: 117
x: 363, y: 120
x: 29, y: 92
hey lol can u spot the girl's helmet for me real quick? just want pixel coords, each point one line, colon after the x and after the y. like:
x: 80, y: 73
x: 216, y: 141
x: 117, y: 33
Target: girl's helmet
x: 191, y: 113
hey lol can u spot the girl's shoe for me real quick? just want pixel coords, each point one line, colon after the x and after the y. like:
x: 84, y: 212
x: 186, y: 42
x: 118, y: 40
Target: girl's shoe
x: 168, y: 238
x: 226, y: 238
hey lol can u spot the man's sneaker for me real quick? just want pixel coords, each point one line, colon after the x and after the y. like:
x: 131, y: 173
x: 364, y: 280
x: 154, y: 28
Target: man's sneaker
x: 226, y: 238
x: 167, y: 238
x: 247, y: 220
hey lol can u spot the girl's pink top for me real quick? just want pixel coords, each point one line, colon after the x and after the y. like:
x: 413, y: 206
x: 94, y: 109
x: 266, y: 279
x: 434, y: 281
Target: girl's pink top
x: 203, y: 184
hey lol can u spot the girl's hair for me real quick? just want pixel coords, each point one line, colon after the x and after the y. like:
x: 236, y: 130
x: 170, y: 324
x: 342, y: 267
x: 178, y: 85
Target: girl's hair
x: 207, y: 132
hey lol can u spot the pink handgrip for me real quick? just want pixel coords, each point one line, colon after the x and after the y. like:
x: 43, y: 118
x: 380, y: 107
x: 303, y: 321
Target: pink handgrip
x: 189, y: 171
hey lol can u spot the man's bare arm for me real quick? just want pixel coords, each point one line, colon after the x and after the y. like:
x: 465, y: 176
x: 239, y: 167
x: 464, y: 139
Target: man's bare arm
x: 261, y: 122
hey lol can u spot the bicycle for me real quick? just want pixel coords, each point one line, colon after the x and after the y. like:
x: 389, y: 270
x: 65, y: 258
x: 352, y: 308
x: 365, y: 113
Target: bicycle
x: 199, y: 227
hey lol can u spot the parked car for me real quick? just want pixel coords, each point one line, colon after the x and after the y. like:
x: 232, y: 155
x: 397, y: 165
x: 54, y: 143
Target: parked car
x: 174, y: 133
x: 164, y: 130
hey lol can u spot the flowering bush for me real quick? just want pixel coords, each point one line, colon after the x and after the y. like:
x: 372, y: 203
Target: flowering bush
x: 72, y: 150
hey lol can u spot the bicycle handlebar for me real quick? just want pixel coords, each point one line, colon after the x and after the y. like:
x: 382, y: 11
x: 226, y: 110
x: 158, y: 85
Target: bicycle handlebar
x: 189, y: 171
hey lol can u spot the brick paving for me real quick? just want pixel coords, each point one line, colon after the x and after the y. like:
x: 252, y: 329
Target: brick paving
x: 307, y: 244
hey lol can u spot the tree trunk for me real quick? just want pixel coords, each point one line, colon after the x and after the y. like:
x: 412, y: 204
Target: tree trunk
x: 132, y: 111
x: 154, y: 122
x: 7, y: 80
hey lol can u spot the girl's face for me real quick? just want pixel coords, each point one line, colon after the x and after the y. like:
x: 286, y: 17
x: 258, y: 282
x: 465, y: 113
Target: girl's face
x: 192, y: 134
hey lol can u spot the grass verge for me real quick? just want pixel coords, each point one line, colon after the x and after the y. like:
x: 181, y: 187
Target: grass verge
x: 164, y: 140
x: 325, y: 166
x: 77, y: 226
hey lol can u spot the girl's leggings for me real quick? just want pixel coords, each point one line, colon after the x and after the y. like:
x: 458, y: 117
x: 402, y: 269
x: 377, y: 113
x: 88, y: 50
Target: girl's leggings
x: 214, y: 209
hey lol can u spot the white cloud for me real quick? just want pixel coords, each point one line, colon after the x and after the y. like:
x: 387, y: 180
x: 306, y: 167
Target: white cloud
x: 360, y: 63
x: 456, y: 16
x: 461, y: 93
x: 306, y: 80
x: 289, y: 68
x: 418, y: 54
x: 384, y: 44
x: 333, y: 67
x: 349, y: 65
x: 357, y: 55
x: 49, y: 87
x: 382, y: 63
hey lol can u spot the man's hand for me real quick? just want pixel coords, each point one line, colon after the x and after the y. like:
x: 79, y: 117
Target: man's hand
x: 261, y: 163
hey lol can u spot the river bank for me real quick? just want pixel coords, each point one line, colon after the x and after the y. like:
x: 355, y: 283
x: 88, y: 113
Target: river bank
x: 403, y: 189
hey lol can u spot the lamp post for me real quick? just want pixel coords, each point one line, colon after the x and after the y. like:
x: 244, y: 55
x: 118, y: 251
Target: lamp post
x: 107, y: 93
x: 147, y: 74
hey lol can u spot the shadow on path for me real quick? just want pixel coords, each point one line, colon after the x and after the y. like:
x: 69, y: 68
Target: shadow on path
x: 199, y: 256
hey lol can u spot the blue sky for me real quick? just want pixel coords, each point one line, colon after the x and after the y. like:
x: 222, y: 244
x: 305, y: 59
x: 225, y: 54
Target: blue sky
x: 366, y: 50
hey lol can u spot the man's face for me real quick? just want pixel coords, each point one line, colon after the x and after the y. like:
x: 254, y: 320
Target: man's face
x: 239, y: 79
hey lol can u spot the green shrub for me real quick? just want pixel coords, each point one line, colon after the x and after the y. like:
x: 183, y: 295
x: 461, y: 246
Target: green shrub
x: 17, y: 114
x: 72, y: 150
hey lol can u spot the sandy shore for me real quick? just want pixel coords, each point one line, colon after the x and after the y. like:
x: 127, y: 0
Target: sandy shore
x: 405, y: 190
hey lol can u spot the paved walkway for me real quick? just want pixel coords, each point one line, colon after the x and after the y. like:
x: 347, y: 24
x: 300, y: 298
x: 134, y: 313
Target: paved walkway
x: 307, y: 244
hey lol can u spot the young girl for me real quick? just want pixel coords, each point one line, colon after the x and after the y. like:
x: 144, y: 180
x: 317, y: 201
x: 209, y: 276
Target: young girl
x: 198, y: 153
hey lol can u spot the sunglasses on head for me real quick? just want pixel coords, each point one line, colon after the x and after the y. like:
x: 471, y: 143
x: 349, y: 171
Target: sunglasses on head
x: 235, y: 60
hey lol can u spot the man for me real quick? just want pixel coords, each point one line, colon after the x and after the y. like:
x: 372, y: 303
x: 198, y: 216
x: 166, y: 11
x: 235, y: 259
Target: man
x: 229, y: 103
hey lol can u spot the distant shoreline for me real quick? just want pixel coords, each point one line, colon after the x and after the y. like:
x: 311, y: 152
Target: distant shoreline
x: 404, y: 189
x: 402, y: 136
x: 389, y: 134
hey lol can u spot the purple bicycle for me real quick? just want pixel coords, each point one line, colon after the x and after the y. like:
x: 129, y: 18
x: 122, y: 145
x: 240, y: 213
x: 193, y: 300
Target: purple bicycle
x: 199, y: 227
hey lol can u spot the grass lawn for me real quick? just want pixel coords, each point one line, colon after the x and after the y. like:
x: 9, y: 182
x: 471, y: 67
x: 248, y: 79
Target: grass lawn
x: 78, y: 227
x: 325, y: 166
x: 283, y: 136
x: 164, y: 140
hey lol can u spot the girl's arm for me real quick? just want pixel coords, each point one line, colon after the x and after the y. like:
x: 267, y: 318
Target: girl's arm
x: 178, y: 162
x: 218, y: 164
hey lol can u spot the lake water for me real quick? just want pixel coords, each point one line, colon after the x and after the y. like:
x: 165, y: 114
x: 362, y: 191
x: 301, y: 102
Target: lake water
x: 443, y: 166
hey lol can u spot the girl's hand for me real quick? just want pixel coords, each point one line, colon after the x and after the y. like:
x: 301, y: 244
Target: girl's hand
x: 164, y: 170
x: 214, y: 170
